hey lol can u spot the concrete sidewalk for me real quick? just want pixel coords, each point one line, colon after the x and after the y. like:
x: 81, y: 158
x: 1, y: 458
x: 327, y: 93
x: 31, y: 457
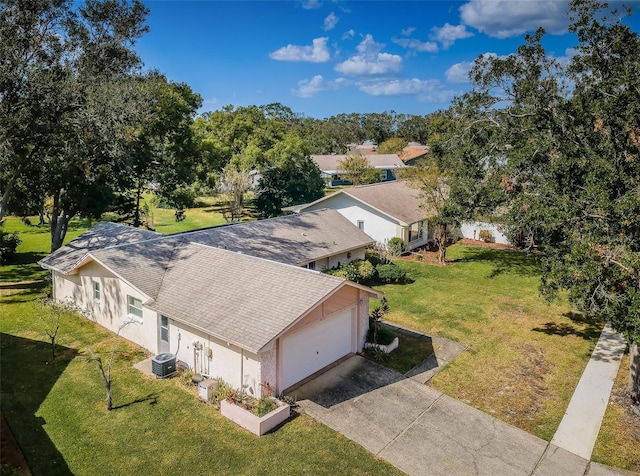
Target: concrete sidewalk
x: 579, y: 428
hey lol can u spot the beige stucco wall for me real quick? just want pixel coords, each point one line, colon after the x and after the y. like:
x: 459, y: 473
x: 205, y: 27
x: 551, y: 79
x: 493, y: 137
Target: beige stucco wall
x: 238, y: 367
x: 112, y: 309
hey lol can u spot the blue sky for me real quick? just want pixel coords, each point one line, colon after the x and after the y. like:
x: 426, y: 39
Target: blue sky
x: 326, y: 57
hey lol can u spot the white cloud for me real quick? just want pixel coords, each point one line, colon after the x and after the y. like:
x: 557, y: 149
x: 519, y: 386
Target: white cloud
x: 317, y: 53
x: 407, y: 31
x: 429, y: 90
x: 417, y: 45
x: 311, y: 4
x: 310, y: 87
x: 370, y: 60
x: 347, y: 35
x: 448, y: 34
x: 330, y: 21
x: 505, y: 18
x: 459, y: 72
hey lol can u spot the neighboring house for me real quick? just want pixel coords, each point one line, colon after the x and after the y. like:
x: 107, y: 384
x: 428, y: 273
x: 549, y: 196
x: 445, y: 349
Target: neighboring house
x: 382, y: 210
x: 471, y: 230
x: 225, y: 313
x: 366, y: 147
x: 413, y: 152
x: 386, y: 163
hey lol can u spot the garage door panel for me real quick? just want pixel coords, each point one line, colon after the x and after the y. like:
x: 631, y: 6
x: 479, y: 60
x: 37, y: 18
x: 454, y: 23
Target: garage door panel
x: 315, y: 347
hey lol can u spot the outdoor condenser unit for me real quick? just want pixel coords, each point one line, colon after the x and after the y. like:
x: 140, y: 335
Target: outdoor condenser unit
x: 163, y: 365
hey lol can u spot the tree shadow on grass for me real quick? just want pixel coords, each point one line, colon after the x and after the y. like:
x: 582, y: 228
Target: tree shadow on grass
x: 589, y: 328
x: 152, y: 398
x: 27, y: 377
x: 503, y: 261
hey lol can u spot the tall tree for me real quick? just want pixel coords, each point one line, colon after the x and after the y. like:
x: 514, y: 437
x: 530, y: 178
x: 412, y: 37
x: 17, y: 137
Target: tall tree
x: 357, y: 169
x: 67, y: 100
x: 291, y: 182
x: 163, y: 148
x: 569, y: 142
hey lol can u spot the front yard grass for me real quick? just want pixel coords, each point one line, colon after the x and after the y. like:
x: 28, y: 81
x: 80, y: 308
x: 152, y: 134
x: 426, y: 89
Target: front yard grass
x: 525, y: 356
x: 57, y: 412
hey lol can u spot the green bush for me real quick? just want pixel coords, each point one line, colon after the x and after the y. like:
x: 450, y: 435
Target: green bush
x: 8, y: 244
x: 359, y: 271
x: 376, y: 354
x: 396, y: 246
x: 390, y: 273
x: 486, y: 236
x: 263, y: 406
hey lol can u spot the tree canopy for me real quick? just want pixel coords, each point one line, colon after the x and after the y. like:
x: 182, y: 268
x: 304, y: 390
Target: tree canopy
x: 292, y: 182
x: 559, y: 145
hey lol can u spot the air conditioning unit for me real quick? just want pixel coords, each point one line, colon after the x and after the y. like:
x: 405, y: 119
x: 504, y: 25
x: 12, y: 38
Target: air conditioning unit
x: 163, y: 365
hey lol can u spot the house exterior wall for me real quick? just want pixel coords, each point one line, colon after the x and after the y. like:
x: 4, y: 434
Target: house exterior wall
x: 346, y: 257
x: 404, y: 232
x: 471, y: 230
x: 112, y: 309
x: 236, y: 366
x: 379, y: 227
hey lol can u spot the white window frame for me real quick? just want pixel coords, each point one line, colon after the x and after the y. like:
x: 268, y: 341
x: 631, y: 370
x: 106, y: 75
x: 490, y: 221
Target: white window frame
x: 134, y: 310
x: 415, y: 235
x: 311, y: 265
x: 361, y: 225
x: 97, y: 291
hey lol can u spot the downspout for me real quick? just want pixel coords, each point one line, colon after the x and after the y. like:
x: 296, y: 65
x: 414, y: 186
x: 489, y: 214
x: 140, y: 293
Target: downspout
x: 242, y: 370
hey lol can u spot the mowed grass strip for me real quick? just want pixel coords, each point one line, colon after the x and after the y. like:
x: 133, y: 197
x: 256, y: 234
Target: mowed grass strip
x: 57, y: 412
x: 525, y: 355
x: 618, y: 443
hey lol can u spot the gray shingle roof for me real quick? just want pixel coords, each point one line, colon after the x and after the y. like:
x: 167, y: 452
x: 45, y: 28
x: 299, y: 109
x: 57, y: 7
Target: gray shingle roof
x: 241, y: 299
x: 293, y: 239
x: 143, y: 265
x: 394, y: 198
x: 102, y: 235
x: 329, y: 163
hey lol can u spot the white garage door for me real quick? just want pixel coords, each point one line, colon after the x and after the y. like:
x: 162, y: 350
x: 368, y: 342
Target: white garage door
x: 315, y: 347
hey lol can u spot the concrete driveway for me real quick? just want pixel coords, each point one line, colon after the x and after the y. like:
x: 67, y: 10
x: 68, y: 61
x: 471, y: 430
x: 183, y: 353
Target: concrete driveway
x: 424, y: 432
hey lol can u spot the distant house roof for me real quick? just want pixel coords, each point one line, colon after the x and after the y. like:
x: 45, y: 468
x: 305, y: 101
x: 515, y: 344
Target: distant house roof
x: 102, y: 235
x: 330, y: 163
x: 395, y: 199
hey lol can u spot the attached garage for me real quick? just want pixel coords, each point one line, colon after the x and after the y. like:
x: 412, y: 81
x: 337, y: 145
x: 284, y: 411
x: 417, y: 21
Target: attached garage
x: 316, y: 346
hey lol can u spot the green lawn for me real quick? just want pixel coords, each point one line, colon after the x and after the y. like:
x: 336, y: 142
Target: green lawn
x: 524, y: 360
x: 57, y: 412
x: 525, y: 356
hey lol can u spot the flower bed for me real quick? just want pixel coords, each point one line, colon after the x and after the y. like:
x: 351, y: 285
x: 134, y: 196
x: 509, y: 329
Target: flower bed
x: 385, y: 348
x: 255, y: 424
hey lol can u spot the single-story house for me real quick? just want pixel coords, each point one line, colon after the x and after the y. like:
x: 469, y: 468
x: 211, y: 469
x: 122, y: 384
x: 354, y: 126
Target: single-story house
x: 225, y: 313
x: 382, y: 210
x: 386, y: 163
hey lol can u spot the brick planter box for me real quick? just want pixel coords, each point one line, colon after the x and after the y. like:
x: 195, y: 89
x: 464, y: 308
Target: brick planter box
x: 384, y: 348
x: 253, y: 423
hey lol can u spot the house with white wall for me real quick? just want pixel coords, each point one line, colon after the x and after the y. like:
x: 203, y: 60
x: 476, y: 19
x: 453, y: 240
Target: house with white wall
x: 386, y: 164
x: 224, y: 312
x: 382, y: 210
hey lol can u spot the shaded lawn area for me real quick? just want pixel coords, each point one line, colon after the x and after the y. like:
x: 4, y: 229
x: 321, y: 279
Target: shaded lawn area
x: 525, y: 356
x: 56, y: 408
x: 208, y: 213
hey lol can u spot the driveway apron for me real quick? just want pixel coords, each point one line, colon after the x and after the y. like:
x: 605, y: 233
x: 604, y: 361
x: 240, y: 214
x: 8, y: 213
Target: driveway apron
x: 424, y: 432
